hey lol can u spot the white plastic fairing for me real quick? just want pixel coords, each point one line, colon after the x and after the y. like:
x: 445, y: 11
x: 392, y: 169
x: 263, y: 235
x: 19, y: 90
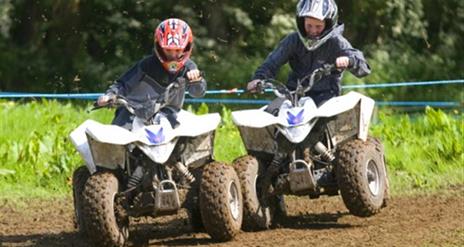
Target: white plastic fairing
x: 157, y: 141
x: 79, y: 140
x: 106, y: 155
x: 346, y: 102
x: 254, y: 118
x: 288, y: 116
x: 298, y: 133
x: 159, y: 134
x: 343, y: 103
x: 296, y: 122
x: 194, y: 125
x: 159, y: 153
x: 367, y: 109
x: 107, y: 133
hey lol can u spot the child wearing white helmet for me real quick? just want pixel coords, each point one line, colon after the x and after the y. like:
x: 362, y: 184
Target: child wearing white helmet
x: 318, y: 40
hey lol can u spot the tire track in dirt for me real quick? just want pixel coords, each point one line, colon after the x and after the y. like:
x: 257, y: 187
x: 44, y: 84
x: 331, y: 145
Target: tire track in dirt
x: 422, y: 220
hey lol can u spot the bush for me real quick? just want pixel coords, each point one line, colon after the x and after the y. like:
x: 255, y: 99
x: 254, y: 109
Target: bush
x: 423, y: 151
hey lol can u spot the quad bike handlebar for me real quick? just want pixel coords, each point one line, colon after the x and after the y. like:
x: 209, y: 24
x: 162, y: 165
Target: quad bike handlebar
x: 154, y: 104
x: 280, y: 89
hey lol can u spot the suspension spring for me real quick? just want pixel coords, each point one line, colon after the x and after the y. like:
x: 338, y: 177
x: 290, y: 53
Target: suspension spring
x: 185, y: 172
x: 324, y: 152
x: 136, y: 177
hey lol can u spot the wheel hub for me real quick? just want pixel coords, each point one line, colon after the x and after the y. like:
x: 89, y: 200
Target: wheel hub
x: 373, y: 178
x: 234, y: 203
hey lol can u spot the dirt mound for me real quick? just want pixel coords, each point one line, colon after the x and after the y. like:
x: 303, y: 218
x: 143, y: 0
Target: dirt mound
x: 421, y: 220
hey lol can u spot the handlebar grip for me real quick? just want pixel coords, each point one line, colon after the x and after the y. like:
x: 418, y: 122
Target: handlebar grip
x: 351, y: 62
x: 196, y: 82
x: 259, y: 88
x: 96, y: 106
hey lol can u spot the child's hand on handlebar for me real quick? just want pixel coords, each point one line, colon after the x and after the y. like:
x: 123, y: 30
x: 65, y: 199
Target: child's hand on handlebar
x: 106, y: 99
x: 194, y: 75
x: 342, y: 62
x: 251, y: 86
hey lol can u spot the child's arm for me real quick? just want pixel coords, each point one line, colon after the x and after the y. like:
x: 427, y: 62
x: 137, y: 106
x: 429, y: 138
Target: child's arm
x: 126, y: 82
x: 278, y: 57
x: 360, y: 66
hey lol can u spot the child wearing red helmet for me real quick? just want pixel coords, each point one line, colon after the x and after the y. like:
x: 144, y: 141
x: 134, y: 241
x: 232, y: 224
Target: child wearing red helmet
x: 148, y: 78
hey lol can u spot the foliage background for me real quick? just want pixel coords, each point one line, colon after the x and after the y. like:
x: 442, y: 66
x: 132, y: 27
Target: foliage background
x: 83, y: 45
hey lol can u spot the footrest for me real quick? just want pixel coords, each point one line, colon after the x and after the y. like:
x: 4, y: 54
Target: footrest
x: 167, y: 197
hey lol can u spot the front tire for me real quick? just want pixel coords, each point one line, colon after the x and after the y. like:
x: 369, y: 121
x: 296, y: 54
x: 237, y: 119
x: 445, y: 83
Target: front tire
x: 105, y: 221
x: 79, y: 178
x: 361, y: 176
x: 221, y: 201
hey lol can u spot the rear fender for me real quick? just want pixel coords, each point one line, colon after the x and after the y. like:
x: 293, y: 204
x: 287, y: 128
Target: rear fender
x: 258, y: 139
x: 353, y: 113
x: 107, y: 155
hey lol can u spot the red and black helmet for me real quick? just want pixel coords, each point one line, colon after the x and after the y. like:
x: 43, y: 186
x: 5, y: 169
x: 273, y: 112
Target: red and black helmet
x: 173, y: 35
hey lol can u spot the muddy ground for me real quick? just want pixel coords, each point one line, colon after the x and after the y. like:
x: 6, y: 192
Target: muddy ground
x: 422, y: 220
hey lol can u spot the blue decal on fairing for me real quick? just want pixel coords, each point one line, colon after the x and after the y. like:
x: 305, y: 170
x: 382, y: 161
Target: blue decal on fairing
x: 155, y: 138
x: 295, y: 119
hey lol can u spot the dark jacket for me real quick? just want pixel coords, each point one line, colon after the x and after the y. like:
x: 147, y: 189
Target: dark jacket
x: 147, y: 79
x: 303, y: 62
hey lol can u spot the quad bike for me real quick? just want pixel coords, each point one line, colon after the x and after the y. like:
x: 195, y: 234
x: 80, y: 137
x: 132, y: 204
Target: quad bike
x: 153, y: 170
x: 307, y: 150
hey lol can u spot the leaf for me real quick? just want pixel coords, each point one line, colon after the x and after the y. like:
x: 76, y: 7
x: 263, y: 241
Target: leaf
x: 4, y: 172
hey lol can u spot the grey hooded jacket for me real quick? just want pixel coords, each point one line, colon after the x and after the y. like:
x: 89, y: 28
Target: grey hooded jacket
x: 147, y: 79
x: 304, y: 62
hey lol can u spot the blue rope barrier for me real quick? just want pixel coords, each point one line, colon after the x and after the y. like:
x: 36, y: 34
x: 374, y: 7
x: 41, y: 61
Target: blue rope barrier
x: 89, y: 96
x: 405, y: 84
x: 377, y: 85
x: 379, y: 103
x: 232, y: 101
x: 419, y: 103
x: 94, y: 96
x: 231, y: 91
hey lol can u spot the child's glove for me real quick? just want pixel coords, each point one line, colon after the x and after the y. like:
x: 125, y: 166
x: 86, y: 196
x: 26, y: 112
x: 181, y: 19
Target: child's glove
x: 194, y: 75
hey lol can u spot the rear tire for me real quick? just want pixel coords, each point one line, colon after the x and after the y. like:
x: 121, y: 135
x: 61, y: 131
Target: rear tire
x: 79, y: 178
x: 106, y: 225
x: 192, y: 203
x: 361, y: 176
x: 255, y: 215
x: 221, y: 201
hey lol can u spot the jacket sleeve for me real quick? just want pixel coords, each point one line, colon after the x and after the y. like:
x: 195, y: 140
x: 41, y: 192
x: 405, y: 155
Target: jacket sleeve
x: 360, y: 67
x: 126, y: 82
x: 197, y: 89
x: 278, y: 57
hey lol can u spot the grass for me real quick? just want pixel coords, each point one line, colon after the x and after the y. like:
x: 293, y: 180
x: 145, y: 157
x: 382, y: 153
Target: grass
x: 37, y: 158
x: 426, y: 151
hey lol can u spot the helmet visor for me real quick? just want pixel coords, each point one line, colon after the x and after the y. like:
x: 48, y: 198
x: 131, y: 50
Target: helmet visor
x: 173, y: 54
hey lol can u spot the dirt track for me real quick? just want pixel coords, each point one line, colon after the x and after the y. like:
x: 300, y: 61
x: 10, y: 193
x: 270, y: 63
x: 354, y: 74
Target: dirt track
x: 431, y: 220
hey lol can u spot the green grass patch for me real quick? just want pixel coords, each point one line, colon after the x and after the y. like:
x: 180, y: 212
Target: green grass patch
x: 37, y: 157
x: 424, y: 151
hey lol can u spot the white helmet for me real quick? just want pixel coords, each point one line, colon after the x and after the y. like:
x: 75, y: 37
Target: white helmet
x: 324, y: 10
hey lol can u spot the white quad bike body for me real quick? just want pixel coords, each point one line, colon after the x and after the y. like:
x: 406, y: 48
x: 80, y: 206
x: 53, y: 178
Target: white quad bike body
x: 296, y: 123
x: 318, y: 146
x: 152, y: 170
x: 104, y: 145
